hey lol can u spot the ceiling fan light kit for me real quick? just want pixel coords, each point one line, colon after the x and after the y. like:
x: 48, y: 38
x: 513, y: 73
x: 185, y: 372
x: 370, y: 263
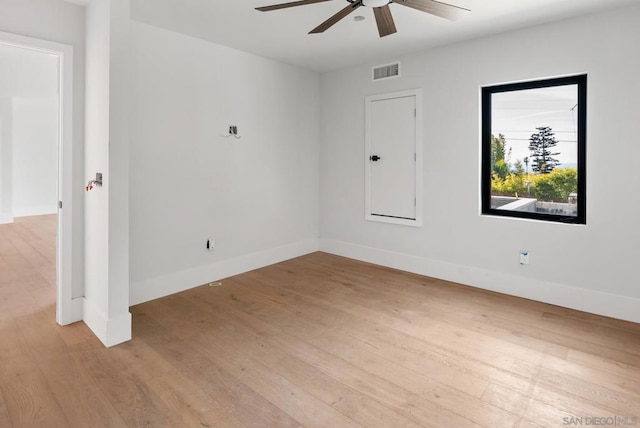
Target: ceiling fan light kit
x: 381, y: 11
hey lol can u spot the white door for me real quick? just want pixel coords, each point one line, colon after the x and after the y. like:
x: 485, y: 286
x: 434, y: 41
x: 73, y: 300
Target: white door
x: 392, y: 141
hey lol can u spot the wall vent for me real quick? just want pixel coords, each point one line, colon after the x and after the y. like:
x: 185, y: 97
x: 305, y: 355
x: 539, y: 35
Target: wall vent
x: 386, y: 71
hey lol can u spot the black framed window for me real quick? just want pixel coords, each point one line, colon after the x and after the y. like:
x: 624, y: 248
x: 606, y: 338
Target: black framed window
x: 534, y: 149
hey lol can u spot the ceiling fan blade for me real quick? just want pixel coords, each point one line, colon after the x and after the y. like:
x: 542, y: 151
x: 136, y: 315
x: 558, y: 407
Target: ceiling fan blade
x: 335, y: 18
x: 443, y: 10
x: 286, y: 5
x: 384, y: 20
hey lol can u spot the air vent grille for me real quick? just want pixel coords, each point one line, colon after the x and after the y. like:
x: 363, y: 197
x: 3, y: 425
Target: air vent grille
x: 386, y: 71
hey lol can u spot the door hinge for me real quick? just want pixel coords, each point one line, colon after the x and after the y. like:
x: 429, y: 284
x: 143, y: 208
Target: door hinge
x: 415, y: 202
x: 60, y: 204
x: 415, y: 112
x: 415, y: 157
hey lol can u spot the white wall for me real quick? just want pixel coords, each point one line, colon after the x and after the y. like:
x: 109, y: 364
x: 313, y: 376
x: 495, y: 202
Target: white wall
x: 6, y: 159
x: 106, y: 303
x: 588, y: 267
x: 29, y: 86
x: 120, y: 100
x: 27, y: 73
x: 96, y: 209
x: 35, y: 155
x: 62, y: 22
x: 258, y: 196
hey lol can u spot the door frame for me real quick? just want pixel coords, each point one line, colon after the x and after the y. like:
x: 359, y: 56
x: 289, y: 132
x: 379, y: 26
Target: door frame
x: 68, y: 309
x: 417, y: 93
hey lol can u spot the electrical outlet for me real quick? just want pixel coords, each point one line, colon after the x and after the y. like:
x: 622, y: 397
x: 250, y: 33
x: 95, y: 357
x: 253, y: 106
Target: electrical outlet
x: 524, y: 257
x: 211, y: 244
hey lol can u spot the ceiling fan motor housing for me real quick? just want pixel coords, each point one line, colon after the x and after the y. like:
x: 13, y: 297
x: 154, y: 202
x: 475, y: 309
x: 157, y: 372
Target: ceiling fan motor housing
x: 375, y: 3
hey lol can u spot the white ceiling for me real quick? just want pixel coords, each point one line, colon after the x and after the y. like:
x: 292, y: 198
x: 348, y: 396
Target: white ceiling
x: 282, y: 34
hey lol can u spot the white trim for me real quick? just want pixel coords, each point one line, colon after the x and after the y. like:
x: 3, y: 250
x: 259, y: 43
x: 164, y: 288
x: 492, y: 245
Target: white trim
x: 64, y: 254
x: 596, y: 302
x: 417, y: 93
x: 154, y: 288
x: 111, y: 331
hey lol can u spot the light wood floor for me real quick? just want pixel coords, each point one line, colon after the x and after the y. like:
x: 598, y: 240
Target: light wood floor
x: 319, y: 341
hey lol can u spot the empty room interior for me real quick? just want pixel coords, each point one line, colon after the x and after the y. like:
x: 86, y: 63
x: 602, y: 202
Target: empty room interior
x: 321, y: 213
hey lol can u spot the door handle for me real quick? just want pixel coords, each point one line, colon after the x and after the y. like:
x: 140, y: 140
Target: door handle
x: 374, y: 158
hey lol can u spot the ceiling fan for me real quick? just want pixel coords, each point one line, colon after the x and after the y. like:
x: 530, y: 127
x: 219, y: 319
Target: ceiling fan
x: 381, y: 11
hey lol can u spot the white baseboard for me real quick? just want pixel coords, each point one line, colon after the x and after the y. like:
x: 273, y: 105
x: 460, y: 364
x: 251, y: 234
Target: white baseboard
x: 77, y: 311
x: 596, y: 302
x: 111, y: 331
x: 154, y: 288
x: 31, y: 211
x: 6, y: 218
x: 71, y: 313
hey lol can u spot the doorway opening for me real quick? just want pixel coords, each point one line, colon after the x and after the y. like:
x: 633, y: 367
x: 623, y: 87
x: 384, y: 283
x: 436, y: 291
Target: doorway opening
x: 36, y: 160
